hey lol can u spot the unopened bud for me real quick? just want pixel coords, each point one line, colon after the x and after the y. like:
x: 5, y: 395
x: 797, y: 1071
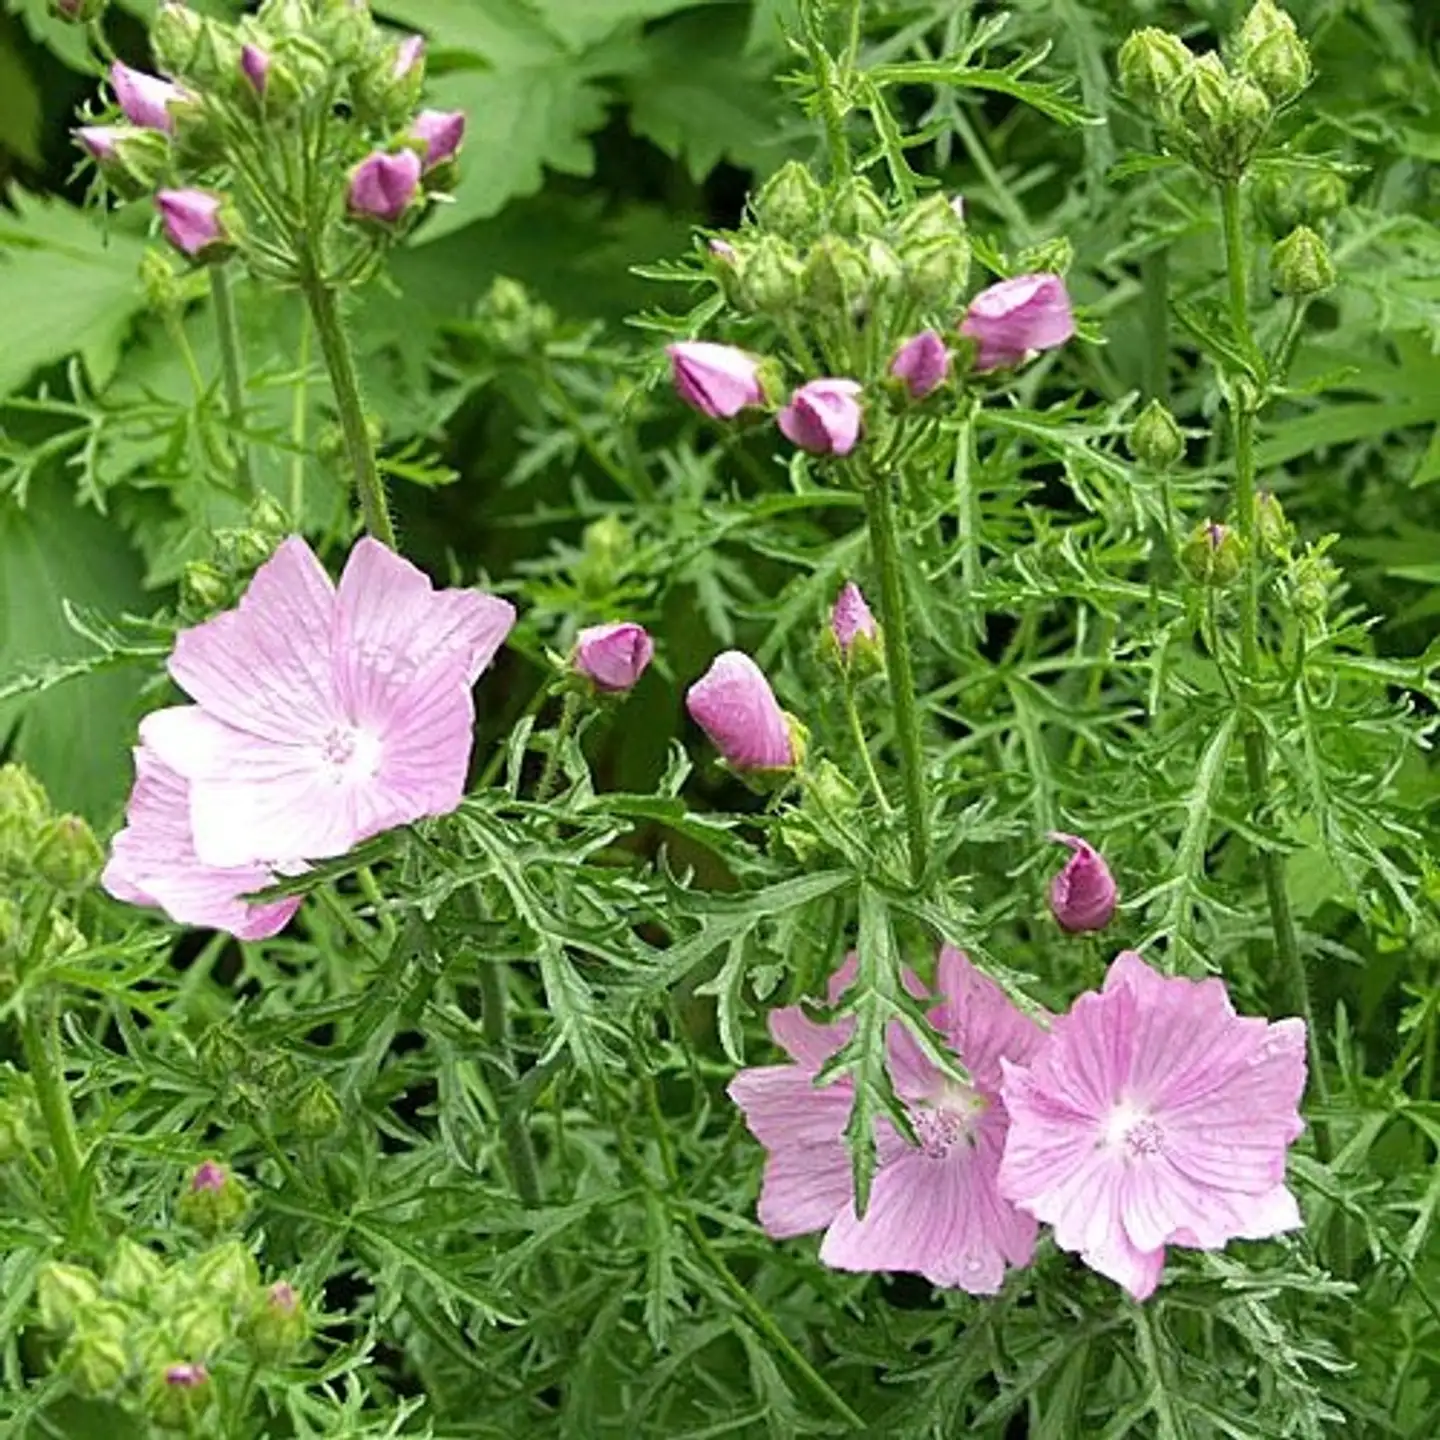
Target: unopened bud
x: 178, y: 1395
x: 771, y: 280
x: 213, y: 1200
x: 199, y: 1326
x: 935, y: 270
x: 277, y: 1326
x: 176, y: 35
x: 1310, y: 581
x: 1301, y: 265
x: 17, y: 1105
x: 387, y: 90
x: 1155, y: 439
x: 857, y: 210
x: 1271, y: 52
x: 228, y: 1276
x: 24, y: 810
x: 67, y: 854
x: 835, y: 276
x: 1221, y: 119
x: 134, y: 1272
x: 790, y: 203
x: 853, y: 636
x: 1324, y: 194
x: 318, y: 1113
x: 62, y: 1292
x: 98, y: 1355
x: 887, y: 273
x: 133, y: 160
x: 1213, y: 554
x: 606, y: 548
x: 1152, y: 63
x: 1272, y: 526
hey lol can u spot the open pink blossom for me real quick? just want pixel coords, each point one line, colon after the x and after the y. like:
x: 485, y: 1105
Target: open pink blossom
x: 823, y: 417
x: 1083, y: 892
x: 1015, y: 317
x: 153, y: 862
x: 735, y: 706
x: 1154, y: 1116
x: 325, y: 716
x: 718, y: 380
x: 935, y: 1209
x: 144, y: 99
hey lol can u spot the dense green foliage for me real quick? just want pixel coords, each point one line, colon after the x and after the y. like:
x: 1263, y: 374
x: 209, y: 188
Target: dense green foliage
x: 580, y: 976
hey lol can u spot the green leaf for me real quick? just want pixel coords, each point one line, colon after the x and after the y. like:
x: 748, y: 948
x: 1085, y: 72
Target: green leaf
x: 19, y: 103
x: 583, y: 22
x: 65, y: 286
x: 56, y: 35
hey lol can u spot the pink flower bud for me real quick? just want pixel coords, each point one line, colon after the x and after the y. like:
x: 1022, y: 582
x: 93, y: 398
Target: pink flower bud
x: 851, y: 619
x: 1083, y: 894
x: 144, y: 99
x: 408, y: 54
x: 100, y: 142
x: 735, y: 706
x: 722, y: 250
x: 823, y: 417
x: 383, y: 185
x: 191, y: 220
x: 209, y: 1175
x: 255, y: 66
x: 613, y: 657
x: 440, y: 131
x: 718, y: 380
x: 186, y: 1375
x: 1030, y: 312
x: 923, y: 363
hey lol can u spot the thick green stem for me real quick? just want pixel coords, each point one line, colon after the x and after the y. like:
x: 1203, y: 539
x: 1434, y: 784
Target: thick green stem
x: 340, y: 362
x: 227, y: 330
x: 1257, y: 763
x: 894, y: 617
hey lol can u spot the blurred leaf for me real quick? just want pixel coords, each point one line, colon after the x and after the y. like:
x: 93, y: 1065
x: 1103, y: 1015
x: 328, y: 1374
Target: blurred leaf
x: 583, y: 22
x: 62, y: 39
x: 20, y: 114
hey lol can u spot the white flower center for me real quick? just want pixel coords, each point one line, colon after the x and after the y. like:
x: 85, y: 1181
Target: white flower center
x: 946, y: 1120
x: 1134, y: 1132
x: 350, y: 753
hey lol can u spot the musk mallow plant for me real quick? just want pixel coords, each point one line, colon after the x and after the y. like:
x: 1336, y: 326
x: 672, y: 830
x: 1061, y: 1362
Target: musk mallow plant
x: 850, y: 944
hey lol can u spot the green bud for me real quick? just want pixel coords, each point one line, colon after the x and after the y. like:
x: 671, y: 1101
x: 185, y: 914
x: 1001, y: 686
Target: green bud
x: 606, y: 549
x: 347, y: 32
x: 1155, y: 439
x: 67, y: 854
x: 933, y: 218
x: 317, y: 1113
x: 1213, y: 554
x: 135, y: 162
x: 1051, y: 257
x: 1152, y: 63
x: 771, y: 280
x: 1310, y: 581
x: 212, y: 1200
x: 1301, y: 265
x: 1220, y: 119
x: 1324, y: 194
x: 1276, y: 202
x: 277, y: 1326
x: 227, y: 1276
x: 163, y: 287
x: 511, y: 320
x: 65, y: 937
x: 177, y: 34
x: 281, y: 18
x: 199, y: 1326
x: 241, y: 550
x: 17, y: 1113
x: 98, y: 1353
x: 24, y: 810
x: 857, y: 210
x: 936, y: 270
x: 790, y: 204
x: 835, y: 277
x: 62, y: 1292
x: 388, y: 82
x: 1271, y: 52
x: 887, y: 273
x: 204, y: 589
x: 1272, y: 526
x: 133, y: 1273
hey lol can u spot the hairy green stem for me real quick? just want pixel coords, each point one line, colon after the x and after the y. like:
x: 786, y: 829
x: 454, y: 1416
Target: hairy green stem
x: 822, y: 66
x: 1257, y: 764
x: 340, y: 362
x: 232, y: 369
x: 885, y: 544
x: 300, y: 424
x: 569, y: 714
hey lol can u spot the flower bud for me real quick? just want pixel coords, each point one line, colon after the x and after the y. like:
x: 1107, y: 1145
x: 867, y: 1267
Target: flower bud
x: 195, y: 223
x: 1083, y: 894
x: 1272, y: 527
x: 198, y: 1326
x: 1016, y: 317
x: 1221, y: 119
x: 922, y: 363
x: 1271, y: 52
x: 935, y: 270
x: 17, y: 1108
x: 133, y: 1273
x: 78, y: 12
x: 718, y: 380
x: 178, y: 1395
x: 62, y: 1293
x: 67, y: 854
x: 146, y: 100
x: 853, y: 633
x: 133, y: 161
x: 98, y: 1353
x: 823, y: 417
x: 790, y: 204
x: 511, y: 320
x: 1156, y: 440
x: 1308, y: 585
x: 1324, y: 194
x: 887, y: 274
x: 277, y: 1326
x: 346, y: 31
x: 735, y: 706
x: 227, y: 1276
x: 1301, y: 265
x: 835, y: 277
x: 1152, y: 63
x: 24, y: 810
x: 176, y: 35
x: 613, y: 657
x: 213, y: 1200
x: 387, y: 89
x: 858, y: 210
x: 384, y: 185
x: 255, y: 68
x: 770, y: 280
x: 606, y: 548
x: 317, y: 1114
x: 1213, y: 554
x: 1055, y: 255
x: 439, y: 134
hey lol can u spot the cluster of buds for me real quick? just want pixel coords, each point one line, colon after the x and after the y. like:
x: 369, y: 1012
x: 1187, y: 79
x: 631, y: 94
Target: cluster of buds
x: 38, y: 846
x: 1215, y: 114
x: 294, y: 136
x: 149, y: 1332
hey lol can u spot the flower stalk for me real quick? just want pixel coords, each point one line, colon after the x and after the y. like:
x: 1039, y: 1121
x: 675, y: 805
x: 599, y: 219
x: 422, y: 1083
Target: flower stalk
x: 227, y: 330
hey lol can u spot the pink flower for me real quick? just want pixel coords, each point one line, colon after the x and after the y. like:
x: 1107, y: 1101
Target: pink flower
x: 1083, y: 894
x: 614, y: 657
x: 255, y: 67
x: 1155, y: 1116
x: 187, y: 1375
x: 1030, y: 312
x: 735, y: 706
x: 440, y: 132
x: 823, y: 417
x: 383, y: 184
x: 209, y: 1175
x: 923, y: 363
x: 325, y: 716
x: 191, y: 220
x: 100, y: 142
x: 718, y: 380
x: 153, y: 862
x: 934, y: 1210
x: 145, y: 99
x: 851, y: 618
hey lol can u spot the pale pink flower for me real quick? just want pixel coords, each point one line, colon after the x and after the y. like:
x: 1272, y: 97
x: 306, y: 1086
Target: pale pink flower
x: 153, y: 862
x: 144, y: 99
x: 934, y: 1209
x: 735, y: 706
x: 1155, y: 1116
x: 717, y: 380
x: 823, y: 417
x: 383, y: 185
x: 1015, y: 317
x: 613, y: 657
x: 923, y: 363
x: 440, y: 132
x: 1083, y: 892
x: 325, y: 716
x: 191, y: 220
x: 850, y: 619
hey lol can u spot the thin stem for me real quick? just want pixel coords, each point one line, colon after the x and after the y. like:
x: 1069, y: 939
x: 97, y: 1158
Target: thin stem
x: 340, y: 362
x: 227, y: 330
x: 885, y: 543
x: 569, y: 714
x: 862, y: 746
x: 1257, y: 764
x: 852, y: 47
x: 299, y: 425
